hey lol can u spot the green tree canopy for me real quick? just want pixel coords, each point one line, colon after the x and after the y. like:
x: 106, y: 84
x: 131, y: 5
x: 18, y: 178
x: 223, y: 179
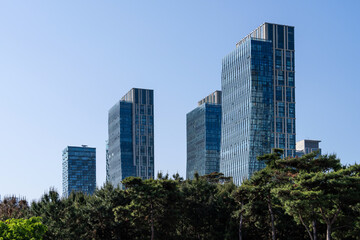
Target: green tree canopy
x: 22, y: 229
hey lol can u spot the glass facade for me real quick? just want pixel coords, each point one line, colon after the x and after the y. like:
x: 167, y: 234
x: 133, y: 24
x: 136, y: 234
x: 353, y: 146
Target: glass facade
x: 247, y: 88
x: 203, y: 128
x: 131, y: 137
x: 282, y: 38
x: 258, y: 87
x: 120, y: 144
x: 79, y: 170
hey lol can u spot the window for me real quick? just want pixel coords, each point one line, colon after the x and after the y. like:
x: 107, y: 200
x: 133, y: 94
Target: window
x: 143, y: 96
x: 278, y: 59
x: 280, y: 78
x: 288, y: 126
x: 291, y: 81
x: 279, y: 125
x: 290, y: 38
x: 291, y: 110
x: 280, y: 36
x: 279, y: 94
x: 281, y: 109
x: 288, y: 94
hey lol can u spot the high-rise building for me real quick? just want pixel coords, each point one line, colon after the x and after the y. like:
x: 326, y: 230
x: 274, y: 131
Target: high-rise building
x: 307, y: 146
x: 79, y: 170
x: 131, y: 137
x: 258, y: 100
x: 203, y: 133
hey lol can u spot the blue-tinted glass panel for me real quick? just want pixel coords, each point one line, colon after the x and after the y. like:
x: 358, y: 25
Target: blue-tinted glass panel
x: 281, y: 109
x: 280, y: 36
x: 279, y: 125
x: 291, y: 38
x: 278, y: 59
x: 280, y: 77
x: 288, y: 94
x: 143, y: 96
x: 291, y: 81
x: 279, y: 93
x: 288, y: 125
x: 288, y: 60
x: 270, y: 31
x: 291, y: 110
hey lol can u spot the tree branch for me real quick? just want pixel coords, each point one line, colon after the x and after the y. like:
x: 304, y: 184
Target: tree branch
x: 306, y: 227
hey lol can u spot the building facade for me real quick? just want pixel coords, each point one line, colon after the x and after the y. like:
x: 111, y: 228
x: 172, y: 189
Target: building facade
x: 131, y: 137
x: 258, y: 100
x: 79, y: 170
x: 307, y: 146
x: 203, y: 134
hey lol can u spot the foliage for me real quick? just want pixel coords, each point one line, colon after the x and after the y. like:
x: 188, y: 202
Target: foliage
x: 13, y: 207
x: 312, y: 197
x: 320, y: 191
x: 52, y: 209
x: 206, y: 209
x: 151, y: 210
x: 22, y: 229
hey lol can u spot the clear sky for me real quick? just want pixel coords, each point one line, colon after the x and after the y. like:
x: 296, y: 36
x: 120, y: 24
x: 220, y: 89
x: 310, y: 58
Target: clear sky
x: 63, y: 64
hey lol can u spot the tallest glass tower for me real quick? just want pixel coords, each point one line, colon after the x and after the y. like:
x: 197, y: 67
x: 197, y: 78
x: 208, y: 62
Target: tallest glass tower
x: 258, y: 97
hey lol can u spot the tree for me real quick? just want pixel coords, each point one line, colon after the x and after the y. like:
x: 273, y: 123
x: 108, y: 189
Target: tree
x: 216, y: 177
x: 100, y: 215
x: 311, y: 162
x: 13, y: 207
x: 151, y: 208
x: 322, y: 195
x: 22, y: 229
x: 206, y: 207
x: 75, y: 217
x: 256, y: 200
x: 297, y: 202
x: 51, y: 209
x: 335, y: 191
x: 263, y: 181
x: 241, y: 196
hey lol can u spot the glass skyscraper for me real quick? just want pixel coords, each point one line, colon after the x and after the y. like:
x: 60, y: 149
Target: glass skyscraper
x: 258, y: 87
x: 203, y: 133
x: 79, y: 170
x: 130, y: 147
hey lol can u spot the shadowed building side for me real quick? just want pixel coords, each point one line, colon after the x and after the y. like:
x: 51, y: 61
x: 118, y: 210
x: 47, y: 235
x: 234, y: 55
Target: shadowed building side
x: 79, y: 170
x: 203, y: 133
x: 131, y: 137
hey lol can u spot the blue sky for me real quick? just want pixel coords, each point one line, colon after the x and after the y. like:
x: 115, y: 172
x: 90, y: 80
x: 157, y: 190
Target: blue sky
x: 63, y: 64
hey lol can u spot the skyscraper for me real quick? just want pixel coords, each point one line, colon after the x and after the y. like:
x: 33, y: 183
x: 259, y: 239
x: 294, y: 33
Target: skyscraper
x: 79, y: 170
x: 131, y: 137
x: 203, y: 133
x: 258, y: 87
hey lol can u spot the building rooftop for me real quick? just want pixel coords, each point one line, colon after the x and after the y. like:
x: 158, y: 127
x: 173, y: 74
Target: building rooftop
x: 258, y: 34
x: 214, y: 98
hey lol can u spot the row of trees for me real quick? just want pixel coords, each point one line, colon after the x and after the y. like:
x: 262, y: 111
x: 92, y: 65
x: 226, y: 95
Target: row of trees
x: 302, y: 198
